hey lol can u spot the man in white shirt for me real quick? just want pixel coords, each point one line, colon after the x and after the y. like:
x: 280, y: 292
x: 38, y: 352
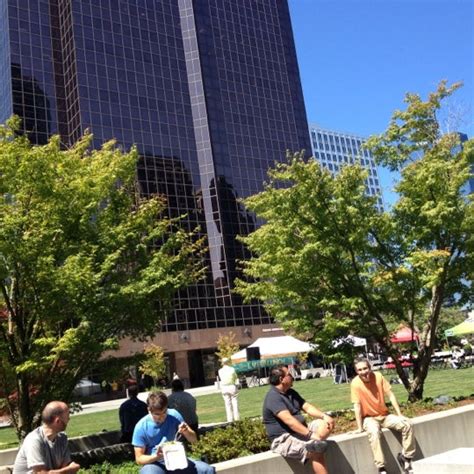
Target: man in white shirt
x: 228, y: 378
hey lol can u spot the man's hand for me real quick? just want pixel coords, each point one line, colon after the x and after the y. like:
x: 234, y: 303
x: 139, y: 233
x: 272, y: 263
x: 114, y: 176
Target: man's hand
x: 330, y: 423
x: 73, y: 467
x: 159, y: 452
x: 187, y: 432
x: 183, y: 428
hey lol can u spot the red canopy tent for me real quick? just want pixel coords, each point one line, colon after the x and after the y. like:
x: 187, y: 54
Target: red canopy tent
x: 404, y: 334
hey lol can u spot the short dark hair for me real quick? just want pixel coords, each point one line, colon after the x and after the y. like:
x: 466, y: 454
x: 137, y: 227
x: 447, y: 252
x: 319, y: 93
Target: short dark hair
x: 133, y: 391
x: 157, y: 401
x: 359, y: 360
x: 276, y: 374
x: 52, y: 410
x: 177, y: 385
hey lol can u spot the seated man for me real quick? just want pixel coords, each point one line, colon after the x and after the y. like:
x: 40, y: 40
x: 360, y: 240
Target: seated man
x: 368, y: 392
x: 183, y: 402
x: 45, y: 449
x: 286, y: 426
x: 159, y: 426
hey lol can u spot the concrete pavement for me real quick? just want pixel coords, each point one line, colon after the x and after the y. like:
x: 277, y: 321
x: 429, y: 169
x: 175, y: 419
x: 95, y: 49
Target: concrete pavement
x: 115, y: 403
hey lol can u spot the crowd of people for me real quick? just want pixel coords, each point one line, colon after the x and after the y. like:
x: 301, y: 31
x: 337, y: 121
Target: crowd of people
x: 162, y: 419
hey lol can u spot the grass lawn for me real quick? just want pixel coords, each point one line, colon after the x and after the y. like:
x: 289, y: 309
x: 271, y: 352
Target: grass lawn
x: 321, y: 392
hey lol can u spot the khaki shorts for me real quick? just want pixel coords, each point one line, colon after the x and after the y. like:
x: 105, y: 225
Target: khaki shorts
x: 292, y: 447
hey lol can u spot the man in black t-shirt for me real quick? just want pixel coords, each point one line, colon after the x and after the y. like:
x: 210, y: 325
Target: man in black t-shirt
x: 130, y: 413
x: 286, y: 426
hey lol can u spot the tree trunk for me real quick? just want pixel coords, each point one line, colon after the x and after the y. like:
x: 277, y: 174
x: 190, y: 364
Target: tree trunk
x: 24, y: 419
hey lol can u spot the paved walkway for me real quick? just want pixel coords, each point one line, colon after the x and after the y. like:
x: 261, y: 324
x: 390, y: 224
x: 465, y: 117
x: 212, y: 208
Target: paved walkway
x: 114, y: 404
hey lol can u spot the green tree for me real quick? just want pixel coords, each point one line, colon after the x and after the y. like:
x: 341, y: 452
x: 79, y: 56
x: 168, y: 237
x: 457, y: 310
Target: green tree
x: 84, y: 261
x: 328, y: 262
x: 226, y: 346
x: 154, y: 363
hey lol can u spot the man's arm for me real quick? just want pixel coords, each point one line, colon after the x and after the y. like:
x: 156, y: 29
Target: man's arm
x: 293, y: 423
x: 121, y: 416
x: 394, y: 402
x: 187, y: 432
x: 142, y: 458
x: 314, y: 412
x: 358, y: 417
x: 71, y: 468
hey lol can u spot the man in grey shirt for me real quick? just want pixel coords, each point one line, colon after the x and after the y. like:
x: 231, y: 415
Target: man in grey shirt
x: 185, y: 403
x: 45, y: 449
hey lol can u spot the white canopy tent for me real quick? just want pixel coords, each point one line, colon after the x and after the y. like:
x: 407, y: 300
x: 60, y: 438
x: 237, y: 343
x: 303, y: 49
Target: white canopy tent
x: 278, y: 346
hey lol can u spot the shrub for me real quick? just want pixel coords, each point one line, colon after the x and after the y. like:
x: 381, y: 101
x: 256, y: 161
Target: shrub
x: 241, y: 438
x: 108, y: 468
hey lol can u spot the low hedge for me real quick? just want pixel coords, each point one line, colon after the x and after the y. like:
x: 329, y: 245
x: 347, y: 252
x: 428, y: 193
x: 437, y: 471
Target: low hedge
x: 241, y: 438
x: 108, y: 468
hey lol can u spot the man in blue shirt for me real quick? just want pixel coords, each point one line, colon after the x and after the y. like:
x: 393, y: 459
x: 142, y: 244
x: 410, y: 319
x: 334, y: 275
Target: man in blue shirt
x: 158, y: 427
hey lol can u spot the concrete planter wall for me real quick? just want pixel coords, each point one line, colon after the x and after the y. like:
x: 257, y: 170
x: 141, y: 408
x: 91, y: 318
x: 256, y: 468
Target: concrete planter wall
x: 347, y: 454
x: 351, y: 454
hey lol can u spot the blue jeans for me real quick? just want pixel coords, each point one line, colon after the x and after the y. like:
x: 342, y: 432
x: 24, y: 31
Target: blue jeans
x: 194, y: 467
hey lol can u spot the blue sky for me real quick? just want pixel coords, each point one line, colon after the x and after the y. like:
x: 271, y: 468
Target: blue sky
x: 358, y: 58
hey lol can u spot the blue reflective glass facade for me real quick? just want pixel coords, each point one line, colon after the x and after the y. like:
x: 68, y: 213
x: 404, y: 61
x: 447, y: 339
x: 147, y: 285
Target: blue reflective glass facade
x: 208, y: 90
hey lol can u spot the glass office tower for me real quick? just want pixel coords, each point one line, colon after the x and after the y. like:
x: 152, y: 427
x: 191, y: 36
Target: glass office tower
x: 335, y: 149
x: 208, y: 90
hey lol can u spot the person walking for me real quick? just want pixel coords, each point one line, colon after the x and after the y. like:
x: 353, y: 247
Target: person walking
x: 368, y: 392
x: 228, y: 379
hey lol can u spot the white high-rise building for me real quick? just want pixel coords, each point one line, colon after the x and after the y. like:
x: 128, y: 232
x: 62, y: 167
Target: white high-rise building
x: 335, y: 149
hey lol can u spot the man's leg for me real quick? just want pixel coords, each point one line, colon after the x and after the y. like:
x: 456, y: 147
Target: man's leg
x: 320, y: 429
x: 154, y: 468
x: 235, y: 404
x: 318, y: 463
x: 403, y: 425
x: 372, y: 427
x: 294, y: 448
x: 198, y: 467
x: 228, y: 405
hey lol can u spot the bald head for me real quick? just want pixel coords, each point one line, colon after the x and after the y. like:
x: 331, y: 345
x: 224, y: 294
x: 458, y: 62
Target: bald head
x: 53, y: 410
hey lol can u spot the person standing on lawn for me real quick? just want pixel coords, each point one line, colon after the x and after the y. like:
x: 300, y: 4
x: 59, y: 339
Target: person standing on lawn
x: 228, y: 378
x: 368, y: 392
x: 285, y: 424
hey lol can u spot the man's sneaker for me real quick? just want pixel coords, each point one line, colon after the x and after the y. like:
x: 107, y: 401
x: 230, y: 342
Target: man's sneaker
x: 382, y: 470
x: 405, y: 463
x: 316, y: 446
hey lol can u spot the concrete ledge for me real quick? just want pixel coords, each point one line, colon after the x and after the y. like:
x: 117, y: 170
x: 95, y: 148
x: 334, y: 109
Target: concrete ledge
x: 351, y: 454
x: 460, y: 461
x: 347, y: 454
x: 79, y: 444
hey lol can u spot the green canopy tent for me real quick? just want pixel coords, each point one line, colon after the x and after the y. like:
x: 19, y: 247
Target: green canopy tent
x: 247, y: 366
x: 466, y: 327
